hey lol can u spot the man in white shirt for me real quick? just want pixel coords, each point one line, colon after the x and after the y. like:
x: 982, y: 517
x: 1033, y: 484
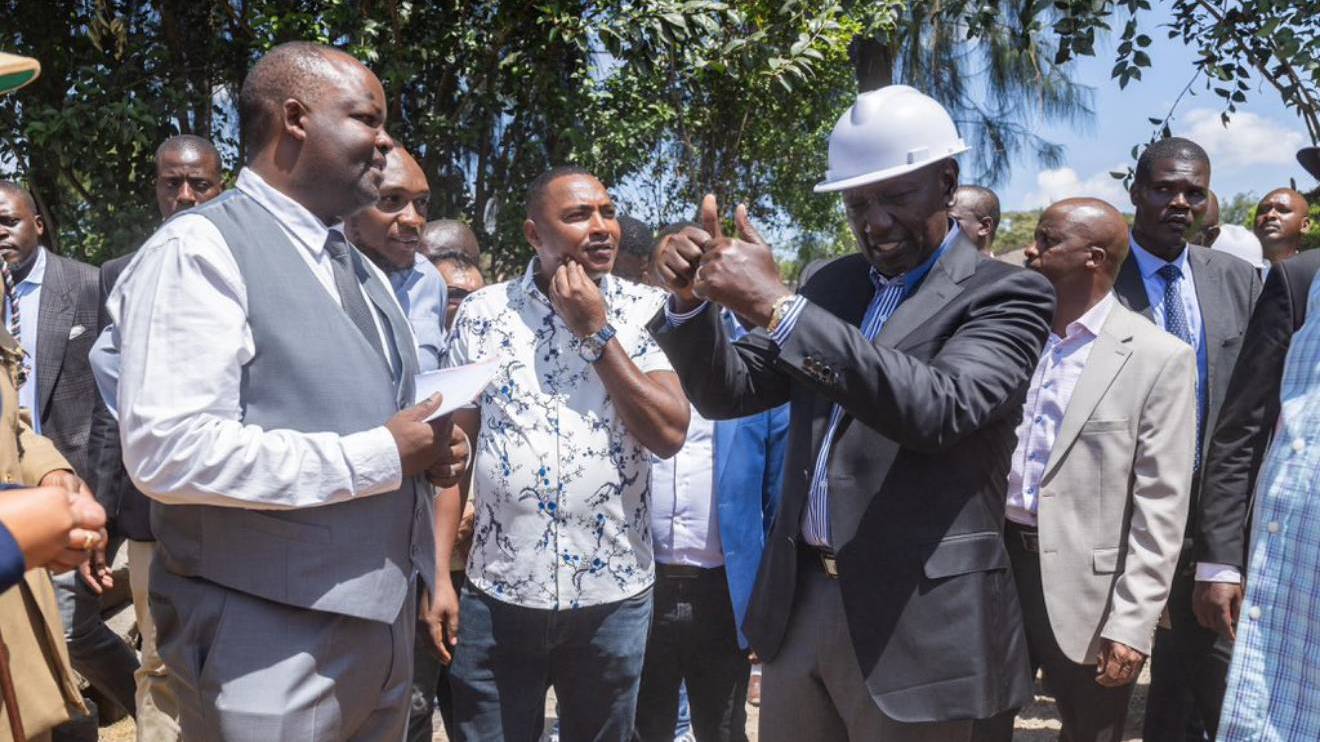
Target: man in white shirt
x: 560, y: 573
x: 266, y: 373
x: 1100, y: 479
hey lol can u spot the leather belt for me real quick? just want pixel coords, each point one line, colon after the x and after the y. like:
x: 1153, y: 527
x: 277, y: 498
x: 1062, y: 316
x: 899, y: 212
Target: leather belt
x: 822, y: 557
x: 685, y: 571
x: 1027, y: 536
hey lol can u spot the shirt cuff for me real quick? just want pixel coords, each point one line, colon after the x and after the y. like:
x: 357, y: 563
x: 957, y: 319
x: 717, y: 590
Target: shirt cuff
x: 791, y: 312
x: 1212, y: 572
x: 373, y: 460
x: 674, y: 319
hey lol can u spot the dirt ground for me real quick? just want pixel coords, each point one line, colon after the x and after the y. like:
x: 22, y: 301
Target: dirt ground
x: 1037, y: 723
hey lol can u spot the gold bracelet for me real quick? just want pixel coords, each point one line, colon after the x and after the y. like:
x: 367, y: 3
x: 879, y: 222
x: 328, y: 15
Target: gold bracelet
x: 777, y: 312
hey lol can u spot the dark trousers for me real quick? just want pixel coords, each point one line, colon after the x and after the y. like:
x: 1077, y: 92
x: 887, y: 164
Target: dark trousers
x: 1089, y: 711
x: 508, y: 655
x: 430, y: 688
x: 1188, y: 671
x: 694, y: 639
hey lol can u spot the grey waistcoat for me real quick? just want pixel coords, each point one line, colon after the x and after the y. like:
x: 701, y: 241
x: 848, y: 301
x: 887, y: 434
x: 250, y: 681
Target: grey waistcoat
x: 313, y: 371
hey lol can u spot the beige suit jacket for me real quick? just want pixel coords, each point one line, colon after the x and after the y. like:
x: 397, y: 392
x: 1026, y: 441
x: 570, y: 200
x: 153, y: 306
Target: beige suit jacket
x: 29, y: 616
x: 1116, y: 489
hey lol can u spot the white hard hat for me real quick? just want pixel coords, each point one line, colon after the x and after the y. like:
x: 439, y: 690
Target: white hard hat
x: 887, y: 133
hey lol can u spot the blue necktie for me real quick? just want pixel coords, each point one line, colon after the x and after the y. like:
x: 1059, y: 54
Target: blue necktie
x: 1175, y: 323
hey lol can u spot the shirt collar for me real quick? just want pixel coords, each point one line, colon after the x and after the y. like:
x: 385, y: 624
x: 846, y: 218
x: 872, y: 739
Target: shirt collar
x: 913, y: 278
x: 404, y: 277
x: 1148, y: 263
x: 1092, y: 320
x: 607, y: 282
x: 37, y: 275
x: 296, y: 219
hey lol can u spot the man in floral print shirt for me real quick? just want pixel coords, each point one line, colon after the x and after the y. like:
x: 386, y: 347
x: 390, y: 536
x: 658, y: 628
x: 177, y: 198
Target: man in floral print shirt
x: 560, y: 572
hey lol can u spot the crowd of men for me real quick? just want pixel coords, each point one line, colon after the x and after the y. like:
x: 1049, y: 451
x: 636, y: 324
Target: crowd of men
x: 904, y: 487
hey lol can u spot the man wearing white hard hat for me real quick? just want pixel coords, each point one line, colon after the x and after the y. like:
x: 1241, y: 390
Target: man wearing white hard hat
x: 884, y: 607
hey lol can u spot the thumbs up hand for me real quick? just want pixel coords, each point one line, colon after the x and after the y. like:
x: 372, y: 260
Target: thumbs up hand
x: 738, y: 273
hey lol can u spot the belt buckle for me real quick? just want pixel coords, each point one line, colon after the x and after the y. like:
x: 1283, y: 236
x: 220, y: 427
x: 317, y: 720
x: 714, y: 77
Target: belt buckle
x: 829, y: 564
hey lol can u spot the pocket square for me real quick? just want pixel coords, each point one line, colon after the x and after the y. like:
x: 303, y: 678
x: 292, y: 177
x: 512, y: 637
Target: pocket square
x: 76, y: 330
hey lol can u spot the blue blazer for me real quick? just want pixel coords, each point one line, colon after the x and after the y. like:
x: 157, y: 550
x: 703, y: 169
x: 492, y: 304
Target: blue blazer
x: 749, y: 468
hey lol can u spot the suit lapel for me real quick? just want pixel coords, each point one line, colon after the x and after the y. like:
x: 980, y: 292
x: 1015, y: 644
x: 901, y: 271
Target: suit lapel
x: 53, y: 324
x: 401, y: 338
x: 941, y: 285
x: 1131, y: 290
x: 1110, y: 352
x: 1215, y: 324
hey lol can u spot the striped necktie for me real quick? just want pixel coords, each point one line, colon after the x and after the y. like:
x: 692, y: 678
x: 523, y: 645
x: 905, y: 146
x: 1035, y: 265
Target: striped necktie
x: 11, y: 298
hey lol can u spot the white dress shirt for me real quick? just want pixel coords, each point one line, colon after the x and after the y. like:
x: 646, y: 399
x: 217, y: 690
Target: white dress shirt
x: 180, y: 309
x: 1052, y: 385
x: 561, y: 484
x: 685, y: 526
x: 28, y: 293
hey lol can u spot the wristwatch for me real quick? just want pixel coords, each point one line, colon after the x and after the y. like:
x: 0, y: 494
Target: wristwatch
x: 592, y: 347
x: 777, y: 312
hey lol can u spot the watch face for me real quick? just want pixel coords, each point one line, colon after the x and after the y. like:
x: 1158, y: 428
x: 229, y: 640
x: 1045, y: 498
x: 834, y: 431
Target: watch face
x: 590, y: 349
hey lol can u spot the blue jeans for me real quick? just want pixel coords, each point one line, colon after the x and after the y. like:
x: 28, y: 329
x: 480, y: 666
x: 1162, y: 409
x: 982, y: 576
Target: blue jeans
x: 508, y: 655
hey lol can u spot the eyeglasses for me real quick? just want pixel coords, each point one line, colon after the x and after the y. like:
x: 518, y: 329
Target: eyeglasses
x: 457, y: 294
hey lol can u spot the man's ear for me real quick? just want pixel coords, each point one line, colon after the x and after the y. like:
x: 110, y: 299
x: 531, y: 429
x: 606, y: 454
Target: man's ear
x: 40, y: 224
x: 293, y: 115
x: 1133, y: 192
x: 987, y: 226
x: 1097, y: 257
x: 950, y: 179
x: 530, y: 234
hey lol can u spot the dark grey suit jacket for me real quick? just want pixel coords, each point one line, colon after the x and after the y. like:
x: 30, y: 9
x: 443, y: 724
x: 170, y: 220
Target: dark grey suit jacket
x: 128, y: 509
x: 1251, y: 408
x: 917, y: 472
x: 66, y: 390
x: 1226, y: 291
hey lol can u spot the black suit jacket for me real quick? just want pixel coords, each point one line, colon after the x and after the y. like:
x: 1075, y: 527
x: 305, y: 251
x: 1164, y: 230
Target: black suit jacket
x: 1250, y: 411
x: 917, y: 472
x: 128, y: 509
x: 66, y: 329
x: 1226, y: 291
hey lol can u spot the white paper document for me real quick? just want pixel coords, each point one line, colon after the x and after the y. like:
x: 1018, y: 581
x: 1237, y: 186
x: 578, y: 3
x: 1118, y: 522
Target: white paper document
x: 459, y: 385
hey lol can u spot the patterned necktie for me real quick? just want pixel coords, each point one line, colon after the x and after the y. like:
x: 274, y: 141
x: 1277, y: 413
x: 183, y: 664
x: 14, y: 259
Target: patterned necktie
x: 1175, y: 323
x: 1175, y: 316
x: 350, y: 291
x: 11, y: 297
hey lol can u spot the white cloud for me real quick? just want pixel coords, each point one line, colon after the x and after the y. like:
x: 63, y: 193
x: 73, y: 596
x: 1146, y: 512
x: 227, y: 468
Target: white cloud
x: 1064, y: 182
x: 1249, y: 140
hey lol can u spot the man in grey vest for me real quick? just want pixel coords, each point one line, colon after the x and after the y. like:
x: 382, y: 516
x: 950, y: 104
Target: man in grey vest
x: 266, y: 375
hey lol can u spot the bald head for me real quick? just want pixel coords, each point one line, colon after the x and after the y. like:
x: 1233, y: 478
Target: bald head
x: 449, y: 235
x: 20, y: 194
x: 976, y: 210
x: 297, y: 69
x: 1282, y: 220
x: 1080, y: 244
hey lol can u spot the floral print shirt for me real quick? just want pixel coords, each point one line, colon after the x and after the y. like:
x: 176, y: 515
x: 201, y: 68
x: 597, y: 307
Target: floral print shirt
x: 561, y: 488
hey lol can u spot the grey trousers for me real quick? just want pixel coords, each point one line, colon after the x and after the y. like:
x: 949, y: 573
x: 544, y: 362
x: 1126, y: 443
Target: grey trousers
x: 244, y: 668
x: 814, y: 689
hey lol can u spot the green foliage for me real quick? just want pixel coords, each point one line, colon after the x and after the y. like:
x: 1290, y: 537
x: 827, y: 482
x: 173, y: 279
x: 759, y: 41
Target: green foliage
x: 1017, y: 229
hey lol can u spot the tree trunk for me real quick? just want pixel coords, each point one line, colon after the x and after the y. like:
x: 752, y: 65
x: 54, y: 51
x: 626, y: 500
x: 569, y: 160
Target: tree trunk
x: 873, y: 63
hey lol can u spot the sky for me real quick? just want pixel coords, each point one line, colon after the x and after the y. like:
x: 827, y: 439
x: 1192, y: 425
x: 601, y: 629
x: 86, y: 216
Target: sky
x: 1255, y: 153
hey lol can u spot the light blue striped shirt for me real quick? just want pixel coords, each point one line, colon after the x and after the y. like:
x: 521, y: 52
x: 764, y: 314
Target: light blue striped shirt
x: 1274, y: 684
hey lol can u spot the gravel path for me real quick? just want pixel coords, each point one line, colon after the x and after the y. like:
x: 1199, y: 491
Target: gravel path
x: 1037, y: 723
